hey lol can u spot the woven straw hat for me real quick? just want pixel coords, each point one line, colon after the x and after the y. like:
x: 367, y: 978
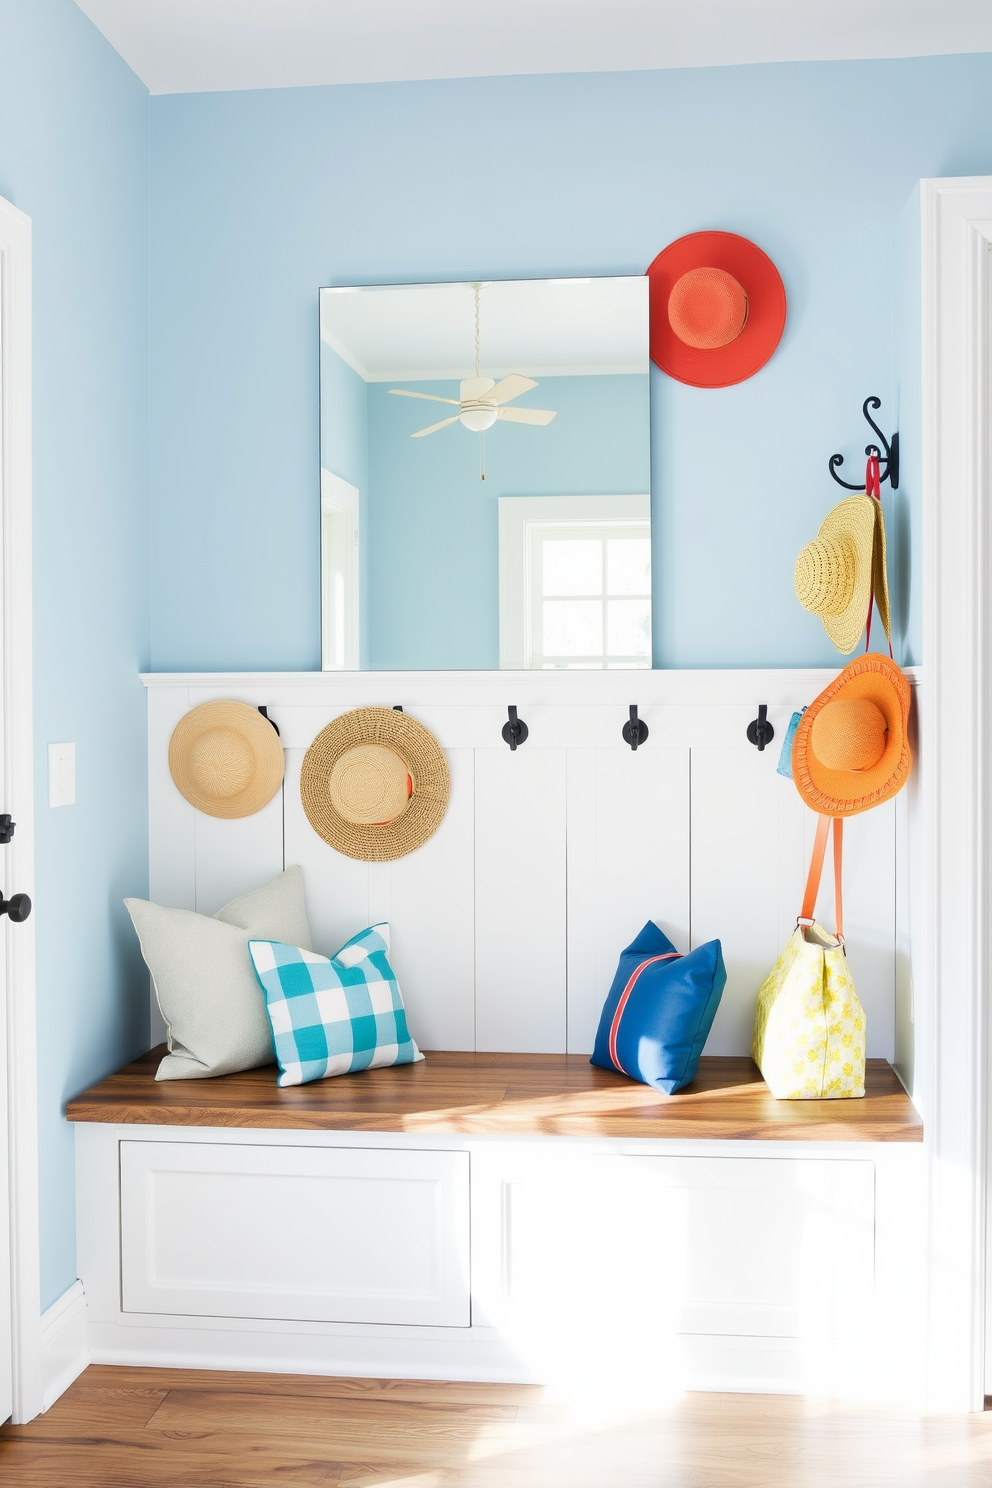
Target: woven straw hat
x: 880, y: 571
x: 375, y: 784
x: 851, y: 750
x: 834, y: 571
x: 226, y: 759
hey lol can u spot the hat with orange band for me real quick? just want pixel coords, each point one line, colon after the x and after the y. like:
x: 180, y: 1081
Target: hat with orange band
x: 717, y: 309
x: 851, y: 750
x: 375, y: 784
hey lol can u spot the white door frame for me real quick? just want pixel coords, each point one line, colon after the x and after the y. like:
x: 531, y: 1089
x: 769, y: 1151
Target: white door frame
x: 18, y: 799
x: 952, y: 1024
x: 956, y: 777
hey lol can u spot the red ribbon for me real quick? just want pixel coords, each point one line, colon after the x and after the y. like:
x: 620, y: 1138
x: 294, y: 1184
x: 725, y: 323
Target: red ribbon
x: 873, y: 487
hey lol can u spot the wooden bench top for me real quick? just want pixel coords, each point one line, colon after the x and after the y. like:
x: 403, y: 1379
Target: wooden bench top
x: 508, y: 1095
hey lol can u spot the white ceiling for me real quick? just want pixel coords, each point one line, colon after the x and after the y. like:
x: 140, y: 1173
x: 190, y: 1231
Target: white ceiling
x: 540, y: 327
x: 189, y: 46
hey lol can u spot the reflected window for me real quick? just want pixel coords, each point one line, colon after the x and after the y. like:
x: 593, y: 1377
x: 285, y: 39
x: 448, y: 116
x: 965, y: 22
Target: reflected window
x: 575, y: 582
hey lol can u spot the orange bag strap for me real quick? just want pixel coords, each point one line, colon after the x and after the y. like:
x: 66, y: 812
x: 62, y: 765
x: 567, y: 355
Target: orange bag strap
x: 816, y: 871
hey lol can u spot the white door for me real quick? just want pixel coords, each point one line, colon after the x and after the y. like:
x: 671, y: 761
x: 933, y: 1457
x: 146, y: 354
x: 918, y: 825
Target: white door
x: 6, y: 1344
x: 20, y: 1393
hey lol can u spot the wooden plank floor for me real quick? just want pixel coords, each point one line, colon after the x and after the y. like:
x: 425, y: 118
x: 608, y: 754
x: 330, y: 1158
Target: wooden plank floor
x: 509, y: 1094
x: 159, y: 1428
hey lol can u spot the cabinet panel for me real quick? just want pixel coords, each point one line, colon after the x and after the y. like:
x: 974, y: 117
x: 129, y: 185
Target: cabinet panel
x: 342, y: 1235
x: 629, y: 1251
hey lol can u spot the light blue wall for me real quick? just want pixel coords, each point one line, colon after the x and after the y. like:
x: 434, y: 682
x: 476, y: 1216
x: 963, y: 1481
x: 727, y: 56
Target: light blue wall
x: 259, y: 198
x: 344, y: 451
x: 74, y: 156
x: 433, y: 535
x: 904, y: 510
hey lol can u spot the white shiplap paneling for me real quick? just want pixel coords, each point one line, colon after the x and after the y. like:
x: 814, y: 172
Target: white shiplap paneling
x: 628, y: 862
x: 746, y: 876
x: 520, y: 900
x: 337, y: 888
x: 507, y: 925
x: 431, y: 912
x: 234, y: 857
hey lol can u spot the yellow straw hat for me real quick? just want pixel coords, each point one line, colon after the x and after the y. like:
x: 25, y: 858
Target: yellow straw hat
x: 226, y: 759
x: 834, y: 571
x: 880, y: 572
x: 375, y: 784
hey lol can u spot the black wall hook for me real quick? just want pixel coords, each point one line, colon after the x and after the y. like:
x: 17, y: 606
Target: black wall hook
x: 887, y: 454
x: 263, y: 709
x: 635, y: 730
x: 18, y: 907
x: 515, y: 731
x: 759, y: 730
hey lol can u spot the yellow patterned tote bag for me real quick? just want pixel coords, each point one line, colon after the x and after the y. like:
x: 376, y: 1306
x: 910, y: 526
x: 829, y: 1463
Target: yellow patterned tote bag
x: 809, y: 1032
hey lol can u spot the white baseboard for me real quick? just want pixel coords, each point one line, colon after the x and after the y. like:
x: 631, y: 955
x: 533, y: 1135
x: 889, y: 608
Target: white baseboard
x: 64, y: 1344
x: 778, y: 1366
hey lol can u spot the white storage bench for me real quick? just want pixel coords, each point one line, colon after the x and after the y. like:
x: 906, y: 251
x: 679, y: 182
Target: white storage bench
x: 506, y: 1217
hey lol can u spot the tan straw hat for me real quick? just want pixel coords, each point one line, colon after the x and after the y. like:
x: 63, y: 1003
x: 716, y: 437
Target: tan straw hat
x: 226, y: 759
x: 880, y: 572
x: 834, y: 571
x: 375, y: 784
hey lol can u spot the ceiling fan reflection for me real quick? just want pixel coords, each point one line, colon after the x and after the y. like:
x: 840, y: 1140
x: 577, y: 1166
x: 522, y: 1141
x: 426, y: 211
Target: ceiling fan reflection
x: 481, y: 402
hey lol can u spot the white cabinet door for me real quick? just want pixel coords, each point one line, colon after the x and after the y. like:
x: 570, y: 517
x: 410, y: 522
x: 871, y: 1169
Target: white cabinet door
x: 604, y: 1251
x: 325, y: 1234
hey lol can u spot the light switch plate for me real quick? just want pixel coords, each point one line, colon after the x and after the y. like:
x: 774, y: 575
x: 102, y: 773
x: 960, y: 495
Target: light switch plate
x: 61, y: 774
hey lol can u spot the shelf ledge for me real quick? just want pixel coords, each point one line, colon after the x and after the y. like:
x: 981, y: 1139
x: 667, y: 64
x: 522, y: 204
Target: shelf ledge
x: 515, y: 1095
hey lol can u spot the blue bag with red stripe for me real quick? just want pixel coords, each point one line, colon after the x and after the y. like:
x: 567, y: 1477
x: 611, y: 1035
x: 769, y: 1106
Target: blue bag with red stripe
x: 660, y: 1010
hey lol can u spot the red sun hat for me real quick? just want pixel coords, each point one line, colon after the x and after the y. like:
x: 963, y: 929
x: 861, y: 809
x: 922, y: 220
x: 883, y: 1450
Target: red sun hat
x: 717, y: 309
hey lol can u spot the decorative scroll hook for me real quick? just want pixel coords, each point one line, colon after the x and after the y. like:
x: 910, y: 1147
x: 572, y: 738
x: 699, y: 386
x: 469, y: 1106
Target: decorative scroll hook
x: 887, y: 453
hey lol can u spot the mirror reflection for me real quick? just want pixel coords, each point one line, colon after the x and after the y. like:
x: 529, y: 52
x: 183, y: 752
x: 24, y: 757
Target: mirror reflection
x: 485, y: 475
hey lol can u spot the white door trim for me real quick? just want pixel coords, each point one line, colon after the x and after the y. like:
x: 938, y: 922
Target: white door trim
x: 956, y: 226
x: 18, y: 799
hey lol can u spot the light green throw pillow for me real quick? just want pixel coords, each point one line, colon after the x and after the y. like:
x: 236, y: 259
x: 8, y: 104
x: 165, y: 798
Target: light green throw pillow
x: 204, y: 980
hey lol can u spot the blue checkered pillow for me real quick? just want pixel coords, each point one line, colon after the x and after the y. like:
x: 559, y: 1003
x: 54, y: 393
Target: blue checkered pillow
x: 333, y: 1017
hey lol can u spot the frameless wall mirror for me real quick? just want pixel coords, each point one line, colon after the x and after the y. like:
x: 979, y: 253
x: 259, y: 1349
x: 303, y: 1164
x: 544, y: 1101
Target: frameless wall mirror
x: 485, y: 475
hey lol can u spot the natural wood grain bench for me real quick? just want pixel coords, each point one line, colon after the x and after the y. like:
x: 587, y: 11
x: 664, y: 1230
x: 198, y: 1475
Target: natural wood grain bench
x: 510, y: 1095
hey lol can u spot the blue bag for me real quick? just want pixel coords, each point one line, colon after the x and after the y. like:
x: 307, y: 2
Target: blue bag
x: 660, y: 1010
x: 785, y: 758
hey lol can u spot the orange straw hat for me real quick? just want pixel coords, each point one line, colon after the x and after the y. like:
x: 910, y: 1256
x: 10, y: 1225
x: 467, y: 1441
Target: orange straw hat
x: 851, y: 750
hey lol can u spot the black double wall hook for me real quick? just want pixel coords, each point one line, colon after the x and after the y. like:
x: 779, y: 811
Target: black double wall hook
x: 887, y: 453
x: 515, y: 731
x: 759, y: 730
x: 635, y: 730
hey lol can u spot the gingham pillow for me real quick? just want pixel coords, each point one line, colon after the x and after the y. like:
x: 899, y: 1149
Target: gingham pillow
x: 333, y: 1017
